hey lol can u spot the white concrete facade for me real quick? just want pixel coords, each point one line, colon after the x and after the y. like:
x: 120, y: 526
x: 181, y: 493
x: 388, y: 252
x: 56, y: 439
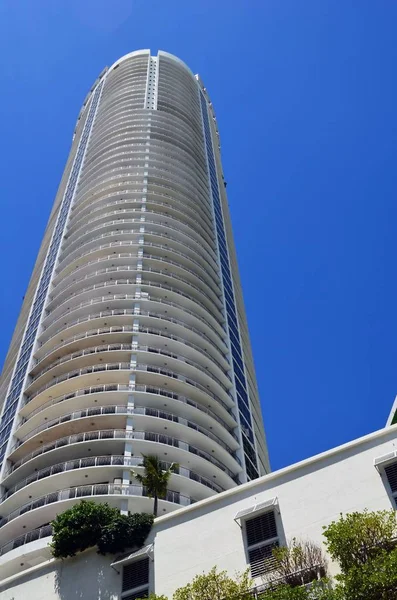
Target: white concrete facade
x: 304, y: 497
x: 133, y: 339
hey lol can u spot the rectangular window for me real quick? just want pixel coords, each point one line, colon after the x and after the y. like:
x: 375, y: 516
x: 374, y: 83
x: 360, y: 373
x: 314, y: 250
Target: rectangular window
x: 391, y: 474
x: 262, y: 537
x: 136, y: 580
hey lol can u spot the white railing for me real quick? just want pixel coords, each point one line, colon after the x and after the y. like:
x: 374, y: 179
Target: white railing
x: 77, y: 372
x: 104, y: 461
x: 99, y: 489
x: 110, y: 387
x: 86, y: 334
x: 109, y: 434
x: 84, y: 352
x: 31, y: 536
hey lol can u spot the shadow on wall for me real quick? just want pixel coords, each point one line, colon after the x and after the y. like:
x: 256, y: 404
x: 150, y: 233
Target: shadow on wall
x: 86, y: 576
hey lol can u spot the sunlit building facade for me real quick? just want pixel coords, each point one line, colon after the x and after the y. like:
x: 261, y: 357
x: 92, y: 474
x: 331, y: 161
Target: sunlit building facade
x: 132, y: 338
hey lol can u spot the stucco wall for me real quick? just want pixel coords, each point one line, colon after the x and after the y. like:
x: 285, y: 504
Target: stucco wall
x: 88, y: 576
x: 309, y: 497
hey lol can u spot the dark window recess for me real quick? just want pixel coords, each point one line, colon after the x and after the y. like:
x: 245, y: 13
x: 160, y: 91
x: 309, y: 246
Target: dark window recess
x: 252, y: 473
x: 261, y: 533
x: 136, y: 575
x: 249, y: 450
x: 261, y: 559
x: 261, y: 529
x: 391, y: 474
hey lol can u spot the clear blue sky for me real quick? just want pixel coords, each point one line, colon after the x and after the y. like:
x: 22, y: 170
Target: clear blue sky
x: 306, y: 99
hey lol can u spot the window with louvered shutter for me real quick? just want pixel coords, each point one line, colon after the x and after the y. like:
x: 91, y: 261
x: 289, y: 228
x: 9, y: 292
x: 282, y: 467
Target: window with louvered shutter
x: 391, y: 474
x: 262, y: 537
x: 136, y: 580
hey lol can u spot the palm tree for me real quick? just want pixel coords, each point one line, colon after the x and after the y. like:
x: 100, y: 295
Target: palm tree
x: 155, y: 479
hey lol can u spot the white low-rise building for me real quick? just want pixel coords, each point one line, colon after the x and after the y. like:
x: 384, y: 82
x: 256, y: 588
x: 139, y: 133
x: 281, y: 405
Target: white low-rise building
x: 233, y: 530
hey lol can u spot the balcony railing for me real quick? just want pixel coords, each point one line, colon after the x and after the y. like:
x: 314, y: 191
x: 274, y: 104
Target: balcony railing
x: 178, y: 338
x: 84, y: 352
x: 77, y: 373
x: 182, y: 379
x: 135, y: 269
x: 150, y: 389
x: 195, y: 214
x: 104, y: 461
x: 133, y: 243
x: 120, y: 328
x: 142, y: 205
x: 144, y: 245
x: 120, y: 434
x: 31, y: 536
x: 139, y: 221
x: 156, y: 284
x: 109, y: 298
x: 93, y: 411
x: 100, y: 489
x: 120, y: 410
x: 110, y: 387
x: 89, y: 333
x: 91, y: 302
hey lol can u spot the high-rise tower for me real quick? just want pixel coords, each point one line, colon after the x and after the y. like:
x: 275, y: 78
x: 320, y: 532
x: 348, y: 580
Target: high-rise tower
x: 132, y: 337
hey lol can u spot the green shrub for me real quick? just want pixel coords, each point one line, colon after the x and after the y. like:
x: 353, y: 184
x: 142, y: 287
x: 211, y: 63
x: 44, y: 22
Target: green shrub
x: 356, y: 538
x: 125, y: 531
x: 80, y: 527
x: 216, y: 586
x: 319, y: 590
x: 89, y: 524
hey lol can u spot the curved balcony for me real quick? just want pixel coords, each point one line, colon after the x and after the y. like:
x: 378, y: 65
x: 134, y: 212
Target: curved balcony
x: 53, y: 343
x: 178, y: 225
x: 179, y: 361
x: 93, y: 251
x: 112, y: 390
x: 97, y: 276
x: 138, y: 130
x: 182, y: 452
x: 82, y: 210
x: 91, y: 369
x: 36, y: 534
x: 181, y: 236
x: 133, y: 188
x: 51, y: 327
x: 82, y: 491
x: 85, y: 335
x: 124, y: 410
x: 88, y: 391
x: 123, y: 286
x: 67, y: 319
x: 203, y: 265
x: 131, y: 157
x: 104, y: 461
x: 127, y: 203
x: 109, y: 434
x: 187, y: 267
x: 102, y: 352
x: 176, y: 338
x: 177, y: 377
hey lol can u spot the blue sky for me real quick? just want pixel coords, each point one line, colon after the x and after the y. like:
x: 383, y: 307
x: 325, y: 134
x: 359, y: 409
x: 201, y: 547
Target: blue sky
x: 305, y: 95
